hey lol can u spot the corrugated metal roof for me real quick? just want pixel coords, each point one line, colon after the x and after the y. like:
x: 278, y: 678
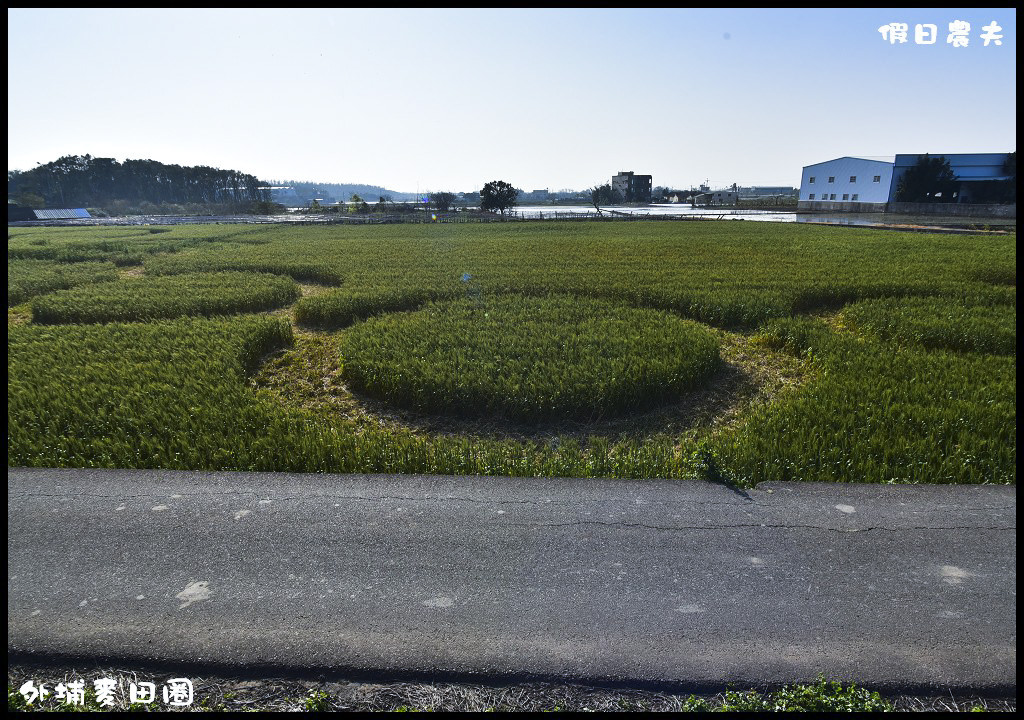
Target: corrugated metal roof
x: 64, y: 214
x: 888, y: 160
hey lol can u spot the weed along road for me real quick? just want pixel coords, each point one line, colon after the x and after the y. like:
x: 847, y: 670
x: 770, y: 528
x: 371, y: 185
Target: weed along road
x: 636, y: 582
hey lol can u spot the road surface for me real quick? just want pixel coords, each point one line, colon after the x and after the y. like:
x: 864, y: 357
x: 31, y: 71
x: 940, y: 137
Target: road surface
x: 646, y: 583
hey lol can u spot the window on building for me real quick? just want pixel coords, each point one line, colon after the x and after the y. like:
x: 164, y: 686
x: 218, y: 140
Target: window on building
x: 846, y: 196
x: 853, y: 178
x: 855, y: 196
x: 878, y: 178
x: 811, y: 196
x: 811, y: 181
x: 832, y: 178
x: 833, y: 196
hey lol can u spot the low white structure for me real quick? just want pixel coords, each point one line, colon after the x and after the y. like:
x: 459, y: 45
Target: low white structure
x: 849, y: 184
x: 717, y: 197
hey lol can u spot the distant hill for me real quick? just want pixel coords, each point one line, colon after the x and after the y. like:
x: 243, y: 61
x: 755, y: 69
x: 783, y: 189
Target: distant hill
x: 296, y: 193
x: 86, y: 181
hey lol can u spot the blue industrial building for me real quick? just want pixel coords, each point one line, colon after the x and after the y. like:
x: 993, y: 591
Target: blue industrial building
x: 869, y: 184
x: 970, y: 169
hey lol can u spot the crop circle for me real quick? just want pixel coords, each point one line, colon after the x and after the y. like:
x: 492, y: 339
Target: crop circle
x: 528, y: 359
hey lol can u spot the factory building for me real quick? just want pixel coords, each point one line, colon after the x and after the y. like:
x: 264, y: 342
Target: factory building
x: 871, y: 184
x: 974, y: 173
x: 849, y: 184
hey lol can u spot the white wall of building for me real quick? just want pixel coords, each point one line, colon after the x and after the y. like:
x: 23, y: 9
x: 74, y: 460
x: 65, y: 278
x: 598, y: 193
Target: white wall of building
x: 846, y: 180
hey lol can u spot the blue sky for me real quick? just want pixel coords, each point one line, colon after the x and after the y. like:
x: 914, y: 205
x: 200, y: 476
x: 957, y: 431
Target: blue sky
x: 418, y: 100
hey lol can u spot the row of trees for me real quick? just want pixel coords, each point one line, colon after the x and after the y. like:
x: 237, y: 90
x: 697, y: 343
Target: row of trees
x: 497, y: 196
x: 85, y: 181
x: 439, y: 201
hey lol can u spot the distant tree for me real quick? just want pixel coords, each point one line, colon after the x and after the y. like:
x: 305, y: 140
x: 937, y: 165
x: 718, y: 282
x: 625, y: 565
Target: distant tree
x: 442, y: 201
x: 930, y: 180
x: 29, y: 199
x: 604, y: 195
x: 498, y: 195
x: 358, y: 205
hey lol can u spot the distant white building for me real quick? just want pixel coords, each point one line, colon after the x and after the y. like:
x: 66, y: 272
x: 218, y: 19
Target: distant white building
x: 716, y: 197
x: 857, y: 184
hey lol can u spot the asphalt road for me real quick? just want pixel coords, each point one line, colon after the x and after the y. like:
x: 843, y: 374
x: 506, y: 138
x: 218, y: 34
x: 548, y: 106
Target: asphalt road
x: 647, y: 583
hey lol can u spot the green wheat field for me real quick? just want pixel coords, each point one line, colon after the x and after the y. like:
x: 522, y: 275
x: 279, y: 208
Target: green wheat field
x: 731, y: 351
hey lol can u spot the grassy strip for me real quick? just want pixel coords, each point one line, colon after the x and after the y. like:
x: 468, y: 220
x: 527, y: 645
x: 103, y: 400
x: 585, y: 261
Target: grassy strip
x: 340, y: 308
x: 122, y: 246
x: 155, y: 395
x: 878, y: 413
x: 938, y: 323
x: 29, y: 278
x: 725, y: 274
x: 143, y: 298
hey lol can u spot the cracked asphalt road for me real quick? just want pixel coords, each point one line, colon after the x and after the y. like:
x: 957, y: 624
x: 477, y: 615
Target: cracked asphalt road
x: 644, y: 583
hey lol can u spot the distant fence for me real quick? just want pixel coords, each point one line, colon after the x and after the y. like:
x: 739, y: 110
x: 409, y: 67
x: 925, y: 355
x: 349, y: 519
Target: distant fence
x: 954, y: 209
x: 372, y: 219
x: 614, y: 215
x: 906, y: 208
x: 509, y: 216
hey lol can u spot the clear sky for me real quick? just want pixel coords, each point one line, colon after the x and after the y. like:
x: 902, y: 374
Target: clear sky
x: 417, y: 100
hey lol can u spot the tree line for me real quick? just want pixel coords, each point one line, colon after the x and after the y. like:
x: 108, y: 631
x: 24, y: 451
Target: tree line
x: 85, y: 181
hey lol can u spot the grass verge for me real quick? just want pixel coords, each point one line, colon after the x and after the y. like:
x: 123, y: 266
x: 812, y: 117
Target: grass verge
x: 213, y: 694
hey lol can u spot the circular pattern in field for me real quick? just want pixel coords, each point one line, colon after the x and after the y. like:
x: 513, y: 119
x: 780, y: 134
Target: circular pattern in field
x: 169, y: 296
x: 528, y: 359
